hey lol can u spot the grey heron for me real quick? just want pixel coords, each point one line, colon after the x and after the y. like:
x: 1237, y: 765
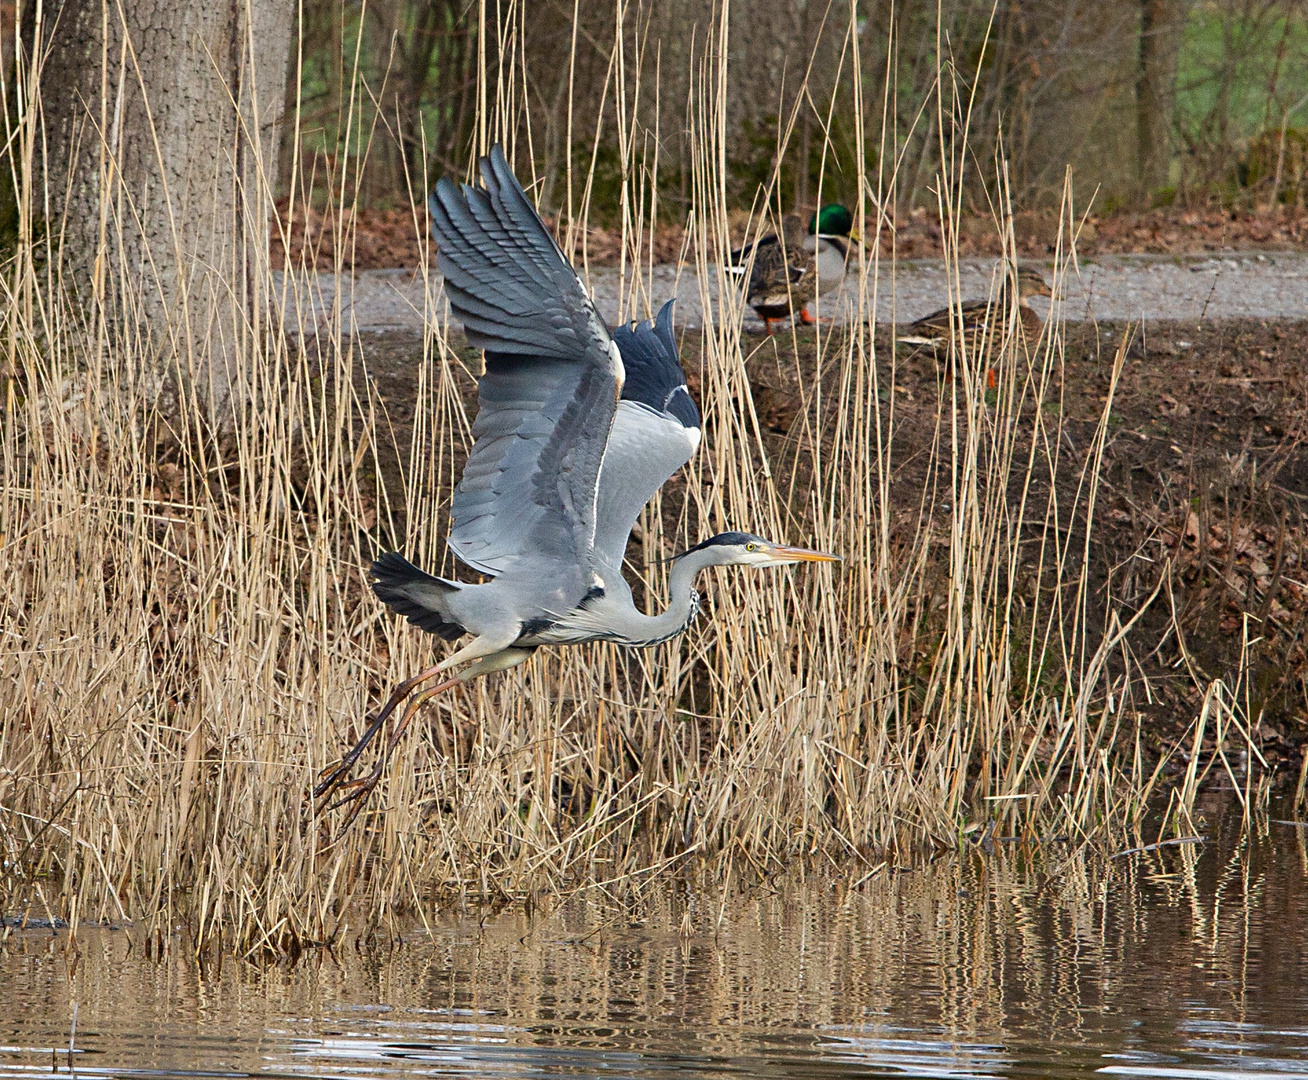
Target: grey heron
x: 578, y: 426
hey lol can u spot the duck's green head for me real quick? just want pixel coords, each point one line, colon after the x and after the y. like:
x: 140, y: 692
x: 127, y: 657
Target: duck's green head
x: 833, y: 220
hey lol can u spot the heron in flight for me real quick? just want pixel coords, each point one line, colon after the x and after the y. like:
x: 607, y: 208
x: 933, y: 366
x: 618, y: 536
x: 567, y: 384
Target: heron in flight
x: 578, y: 426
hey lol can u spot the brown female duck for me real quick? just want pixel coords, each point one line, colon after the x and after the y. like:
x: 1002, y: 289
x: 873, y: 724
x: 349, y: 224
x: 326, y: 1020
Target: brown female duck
x: 973, y: 316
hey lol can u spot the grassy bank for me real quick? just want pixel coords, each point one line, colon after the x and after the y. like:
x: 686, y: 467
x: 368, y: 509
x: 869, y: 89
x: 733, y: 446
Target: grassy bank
x: 189, y: 639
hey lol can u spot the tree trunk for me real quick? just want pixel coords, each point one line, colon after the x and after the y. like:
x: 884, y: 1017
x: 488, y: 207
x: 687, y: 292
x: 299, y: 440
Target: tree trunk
x: 1160, y: 25
x: 162, y: 125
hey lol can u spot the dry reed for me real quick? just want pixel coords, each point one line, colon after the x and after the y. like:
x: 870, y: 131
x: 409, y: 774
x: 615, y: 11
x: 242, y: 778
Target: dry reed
x: 188, y: 638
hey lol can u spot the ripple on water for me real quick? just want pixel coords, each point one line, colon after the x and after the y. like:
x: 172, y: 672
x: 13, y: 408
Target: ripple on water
x: 1176, y: 963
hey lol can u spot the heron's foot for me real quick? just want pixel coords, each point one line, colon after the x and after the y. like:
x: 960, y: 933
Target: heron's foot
x: 333, y: 777
x: 355, y: 792
x: 337, y: 791
x: 334, y: 789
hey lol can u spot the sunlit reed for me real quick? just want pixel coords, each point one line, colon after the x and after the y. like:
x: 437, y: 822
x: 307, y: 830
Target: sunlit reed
x: 188, y: 638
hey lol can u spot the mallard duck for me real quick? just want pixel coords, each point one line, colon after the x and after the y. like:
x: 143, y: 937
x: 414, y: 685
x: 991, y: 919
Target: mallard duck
x: 933, y: 331
x: 828, y: 241
x: 784, y: 276
x: 972, y: 317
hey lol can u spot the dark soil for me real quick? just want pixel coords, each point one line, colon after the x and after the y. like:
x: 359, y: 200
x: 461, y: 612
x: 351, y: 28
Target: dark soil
x: 1204, y: 488
x: 1167, y: 231
x: 1207, y: 465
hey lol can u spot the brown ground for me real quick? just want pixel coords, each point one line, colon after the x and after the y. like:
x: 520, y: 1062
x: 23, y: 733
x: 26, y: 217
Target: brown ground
x: 385, y: 239
x: 1211, y: 458
x: 1206, y: 465
x: 1157, y: 232
x: 388, y: 239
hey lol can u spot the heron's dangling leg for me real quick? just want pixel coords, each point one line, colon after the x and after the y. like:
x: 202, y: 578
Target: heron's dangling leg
x: 333, y: 778
x: 483, y: 655
x: 358, y: 790
x: 475, y: 649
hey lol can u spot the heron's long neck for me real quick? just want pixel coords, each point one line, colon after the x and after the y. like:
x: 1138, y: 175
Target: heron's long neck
x: 684, y: 602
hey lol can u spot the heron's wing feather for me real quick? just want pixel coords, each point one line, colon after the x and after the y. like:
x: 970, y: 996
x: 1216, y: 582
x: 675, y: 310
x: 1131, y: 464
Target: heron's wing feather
x: 653, y: 364
x: 549, y: 392
x: 655, y: 432
x: 505, y: 276
x: 418, y: 596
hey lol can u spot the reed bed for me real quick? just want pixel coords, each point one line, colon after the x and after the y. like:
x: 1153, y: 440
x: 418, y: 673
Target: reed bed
x: 984, y: 949
x: 188, y: 638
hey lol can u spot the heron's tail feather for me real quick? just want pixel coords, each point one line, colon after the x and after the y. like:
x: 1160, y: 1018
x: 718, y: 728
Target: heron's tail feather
x: 416, y: 595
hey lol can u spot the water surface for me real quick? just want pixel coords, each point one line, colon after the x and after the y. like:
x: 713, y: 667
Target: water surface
x: 1185, y: 962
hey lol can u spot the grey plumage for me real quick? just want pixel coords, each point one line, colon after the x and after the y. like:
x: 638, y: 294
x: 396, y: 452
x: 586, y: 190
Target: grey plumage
x: 577, y: 428
x: 550, y: 391
x: 655, y: 432
x: 506, y: 277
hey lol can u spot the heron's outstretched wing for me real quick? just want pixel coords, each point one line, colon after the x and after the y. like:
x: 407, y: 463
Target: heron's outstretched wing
x: 550, y: 390
x: 655, y: 432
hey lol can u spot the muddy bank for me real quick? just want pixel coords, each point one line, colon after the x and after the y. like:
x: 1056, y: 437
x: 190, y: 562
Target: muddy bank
x: 1203, y: 489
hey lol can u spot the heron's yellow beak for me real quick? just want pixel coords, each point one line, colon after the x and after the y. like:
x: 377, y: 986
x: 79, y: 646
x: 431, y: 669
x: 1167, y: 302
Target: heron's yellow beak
x: 795, y: 554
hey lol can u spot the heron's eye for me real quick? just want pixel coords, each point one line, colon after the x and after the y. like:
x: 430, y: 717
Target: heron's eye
x: 751, y: 547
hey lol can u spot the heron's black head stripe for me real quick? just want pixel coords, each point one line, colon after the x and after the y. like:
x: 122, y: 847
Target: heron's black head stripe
x: 726, y: 539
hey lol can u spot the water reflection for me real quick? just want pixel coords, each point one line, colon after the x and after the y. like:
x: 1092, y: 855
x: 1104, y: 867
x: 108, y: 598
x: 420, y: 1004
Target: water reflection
x: 1182, y: 962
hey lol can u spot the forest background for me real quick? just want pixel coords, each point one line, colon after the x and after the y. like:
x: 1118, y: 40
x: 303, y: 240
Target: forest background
x: 1152, y: 103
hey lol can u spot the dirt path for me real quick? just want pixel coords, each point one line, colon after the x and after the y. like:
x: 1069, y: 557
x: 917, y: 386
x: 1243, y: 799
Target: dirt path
x: 1113, y: 288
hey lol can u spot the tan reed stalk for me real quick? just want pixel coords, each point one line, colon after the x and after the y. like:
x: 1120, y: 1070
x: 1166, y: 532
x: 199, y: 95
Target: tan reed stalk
x: 186, y: 637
